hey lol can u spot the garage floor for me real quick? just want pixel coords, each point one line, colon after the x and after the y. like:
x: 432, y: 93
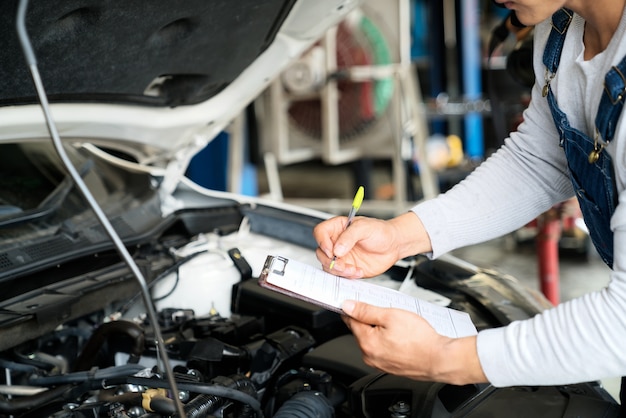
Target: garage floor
x: 329, y: 188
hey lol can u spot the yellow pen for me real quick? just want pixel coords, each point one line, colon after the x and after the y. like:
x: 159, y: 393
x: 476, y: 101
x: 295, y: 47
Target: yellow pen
x: 356, y: 204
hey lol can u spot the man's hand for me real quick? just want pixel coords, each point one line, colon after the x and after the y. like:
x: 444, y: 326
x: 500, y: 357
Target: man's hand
x: 404, y: 344
x: 369, y: 246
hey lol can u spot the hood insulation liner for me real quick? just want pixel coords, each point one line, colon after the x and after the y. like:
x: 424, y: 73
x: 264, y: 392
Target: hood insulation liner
x: 161, y: 53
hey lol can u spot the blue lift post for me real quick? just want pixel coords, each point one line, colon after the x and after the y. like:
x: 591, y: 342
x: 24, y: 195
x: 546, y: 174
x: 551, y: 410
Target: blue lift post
x: 472, y: 84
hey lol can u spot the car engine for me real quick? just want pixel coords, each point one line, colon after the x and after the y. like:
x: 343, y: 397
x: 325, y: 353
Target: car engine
x: 238, y: 350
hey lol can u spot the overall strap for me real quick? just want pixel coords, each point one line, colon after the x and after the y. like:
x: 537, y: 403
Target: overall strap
x: 552, y: 53
x: 612, y: 101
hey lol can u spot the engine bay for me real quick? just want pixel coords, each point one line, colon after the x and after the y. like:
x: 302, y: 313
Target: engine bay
x: 238, y: 350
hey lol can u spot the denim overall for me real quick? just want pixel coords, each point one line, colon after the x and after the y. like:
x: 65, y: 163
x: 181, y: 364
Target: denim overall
x: 593, y: 181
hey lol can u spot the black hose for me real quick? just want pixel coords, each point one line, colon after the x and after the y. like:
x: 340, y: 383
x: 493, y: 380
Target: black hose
x: 202, y: 405
x: 20, y: 367
x: 104, y: 333
x: 80, y: 377
x: 306, y: 404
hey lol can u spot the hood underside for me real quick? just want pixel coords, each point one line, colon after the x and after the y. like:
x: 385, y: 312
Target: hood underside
x: 156, y: 75
x: 159, y: 53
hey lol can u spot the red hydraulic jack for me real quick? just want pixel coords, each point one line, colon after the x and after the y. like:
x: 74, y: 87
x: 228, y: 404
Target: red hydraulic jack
x: 552, y: 226
x: 549, y: 228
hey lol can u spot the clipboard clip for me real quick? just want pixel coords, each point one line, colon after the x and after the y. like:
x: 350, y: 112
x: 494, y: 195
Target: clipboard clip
x: 276, y: 264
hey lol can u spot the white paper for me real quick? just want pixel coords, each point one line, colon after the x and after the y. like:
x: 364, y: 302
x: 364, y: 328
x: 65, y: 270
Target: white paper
x: 315, y: 284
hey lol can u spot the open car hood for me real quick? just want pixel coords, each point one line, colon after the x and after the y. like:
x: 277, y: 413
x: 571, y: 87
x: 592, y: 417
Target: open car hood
x: 157, y: 79
x: 146, y: 84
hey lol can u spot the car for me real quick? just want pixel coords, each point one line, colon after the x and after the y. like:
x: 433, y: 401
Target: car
x: 128, y: 290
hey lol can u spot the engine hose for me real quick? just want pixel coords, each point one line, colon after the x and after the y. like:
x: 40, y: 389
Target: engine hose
x: 12, y: 406
x: 105, y: 332
x: 209, y: 389
x: 202, y: 405
x: 80, y: 377
x: 20, y: 367
x: 152, y: 400
x: 237, y: 381
x: 306, y: 404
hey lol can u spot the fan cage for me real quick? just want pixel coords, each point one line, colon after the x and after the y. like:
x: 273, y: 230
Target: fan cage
x: 361, y: 104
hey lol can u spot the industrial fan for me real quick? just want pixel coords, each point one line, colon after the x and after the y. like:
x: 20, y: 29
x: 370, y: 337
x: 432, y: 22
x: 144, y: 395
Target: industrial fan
x: 347, y: 97
x: 360, y: 104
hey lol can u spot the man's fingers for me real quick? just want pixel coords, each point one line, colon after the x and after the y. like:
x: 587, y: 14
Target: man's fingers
x: 362, y: 312
x: 323, y: 255
x: 347, y: 320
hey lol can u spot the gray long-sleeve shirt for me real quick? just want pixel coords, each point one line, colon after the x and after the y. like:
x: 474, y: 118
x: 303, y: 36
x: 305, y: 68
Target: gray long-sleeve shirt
x: 583, y: 339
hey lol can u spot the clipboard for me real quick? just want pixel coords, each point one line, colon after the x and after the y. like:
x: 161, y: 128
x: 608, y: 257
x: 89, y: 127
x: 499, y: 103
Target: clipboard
x: 276, y: 277
x: 314, y: 285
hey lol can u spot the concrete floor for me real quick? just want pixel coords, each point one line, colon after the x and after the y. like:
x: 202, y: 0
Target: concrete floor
x: 331, y: 188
